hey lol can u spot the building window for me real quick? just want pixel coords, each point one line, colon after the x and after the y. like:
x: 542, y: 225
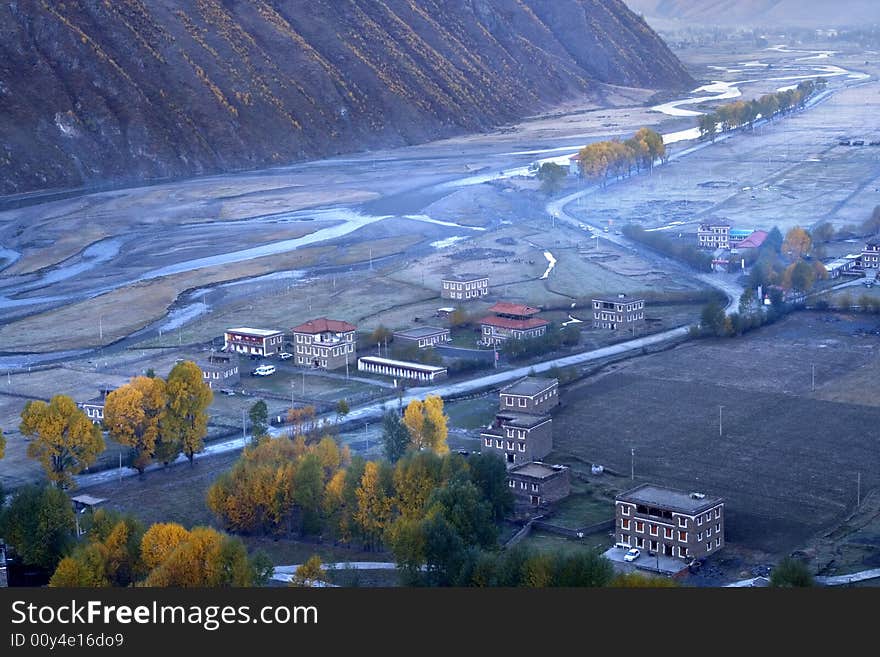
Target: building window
x: 708, y: 532
x: 511, y: 483
x: 624, y: 510
x: 509, y: 401
x: 717, y: 542
x: 624, y: 523
x: 522, y: 485
x: 683, y: 537
x: 667, y: 532
x: 682, y: 522
x: 640, y: 542
x: 700, y: 536
x: 654, y: 530
x: 534, y: 487
x: 718, y: 528
x: 488, y: 442
x: 709, y: 546
x: 700, y: 520
x: 640, y: 526
x: 718, y: 512
x: 682, y: 552
x: 522, y: 447
x: 624, y: 539
x: 522, y: 403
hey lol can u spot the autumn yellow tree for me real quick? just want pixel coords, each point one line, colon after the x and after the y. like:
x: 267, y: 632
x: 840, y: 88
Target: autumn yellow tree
x: 134, y: 415
x: 374, y: 504
x: 797, y: 243
x: 427, y: 424
x: 63, y: 438
x: 416, y: 476
x: 161, y: 540
x: 2, y: 444
x: 310, y: 572
x: 206, y: 558
x: 186, y: 414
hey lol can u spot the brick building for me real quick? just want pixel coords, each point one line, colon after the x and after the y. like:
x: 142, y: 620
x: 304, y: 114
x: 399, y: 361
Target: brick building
x: 537, y: 483
x: 518, y: 438
x: 422, y: 336
x: 325, y: 343
x: 871, y: 255
x: 669, y: 522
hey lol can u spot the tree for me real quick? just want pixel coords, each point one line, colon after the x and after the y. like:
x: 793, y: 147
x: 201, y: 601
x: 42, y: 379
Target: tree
x: 381, y: 335
x: 39, y: 524
x: 342, y: 409
x: 308, y: 490
x: 460, y: 504
x: 774, y: 240
x: 64, y: 440
x: 791, y: 573
x: 373, y: 502
x: 259, y: 416
x: 822, y: 232
x: 712, y: 319
x: 803, y: 276
x: 551, y: 176
x: 797, y: 243
x: 427, y: 424
x: 2, y: 444
x: 206, y: 559
x: 86, y: 570
x: 159, y: 541
x: 186, y: 417
x: 310, y: 572
x: 134, y: 415
x: 489, y: 475
x: 415, y: 478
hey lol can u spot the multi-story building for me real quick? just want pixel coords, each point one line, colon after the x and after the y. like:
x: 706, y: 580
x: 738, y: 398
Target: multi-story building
x: 220, y: 370
x: 531, y: 395
x: 518, y: 438
x: 670, y: 522
x: 871, y: 255
x: 714, y: 234
x: 618, y: 313
x: 511, y: 321
x: 94, y: 407
x: 464, y: 287
x: 422, y: 336
x: 253, y: 342
x: 325, y: 343
x: 537, y: 483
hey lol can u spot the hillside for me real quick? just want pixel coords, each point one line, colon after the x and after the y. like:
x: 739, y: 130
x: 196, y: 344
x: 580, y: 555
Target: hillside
x: 779, y: 13
x: 133, y: 90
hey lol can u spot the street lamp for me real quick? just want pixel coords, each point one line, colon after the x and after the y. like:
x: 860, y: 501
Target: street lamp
x: 719, y: 420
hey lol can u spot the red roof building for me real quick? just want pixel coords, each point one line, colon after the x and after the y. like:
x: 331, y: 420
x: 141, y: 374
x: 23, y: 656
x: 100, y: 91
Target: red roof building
x: 324, y: 343
x: 512, y: 320
x: 753, y: 241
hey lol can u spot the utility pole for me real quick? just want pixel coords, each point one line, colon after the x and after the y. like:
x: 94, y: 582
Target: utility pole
x: 101, y: 328
x: 813, y: 384
x: 371, y: 259
x: 304, y: 384
x: 632, y: 463
x: 719, y: 420
x: 859, y: 490
x: 243, y: 425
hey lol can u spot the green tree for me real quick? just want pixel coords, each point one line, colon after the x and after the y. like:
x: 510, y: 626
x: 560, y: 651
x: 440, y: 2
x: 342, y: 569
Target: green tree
x: 791, y: 573
x: 259, y: 416
x: 416, y: 476
x: 395, y: 436
x: 552, y: 176
x: 308, y: 491
x: 64, y: 440
x: 489, y: 475
x: 712, y: 319
x: 186, y: 418
x: 803, y: 276
x: 39, y: 524
x: 461, y: 504
x: 342, y: 409
x: 774, y: 240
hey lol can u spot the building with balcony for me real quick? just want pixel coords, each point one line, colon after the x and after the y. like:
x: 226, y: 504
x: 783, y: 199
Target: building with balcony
x: 620, y: 313
x: 669, y: 522
x: 220, y: 370
x: 324, y: 343
x: 253, y: 342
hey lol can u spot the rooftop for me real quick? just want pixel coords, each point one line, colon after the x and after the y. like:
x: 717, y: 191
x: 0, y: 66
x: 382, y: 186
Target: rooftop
x: 505, y: 308
x: 520, y: 324
x: 715, y: 222
x: 464, y: 278
x: 262, y: 333
x: 753, y: 241
x: 401, y: 363
x: 324, y: 325
x: 420, y: 332
x: 669, y: 498
x: 88, y: 500
x: 620, y: 298
x: 538, y: 470
x: 522, y: 420
x: 529, y: 386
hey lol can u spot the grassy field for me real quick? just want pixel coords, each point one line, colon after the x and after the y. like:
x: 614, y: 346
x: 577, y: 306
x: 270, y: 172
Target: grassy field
x: 787, y: 460
x: 547, y: 542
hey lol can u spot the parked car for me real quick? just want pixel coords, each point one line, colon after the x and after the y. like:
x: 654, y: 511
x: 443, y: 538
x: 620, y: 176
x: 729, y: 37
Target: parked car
x: 263, y: 370
x: 285, y: 355
x: 632, y: 554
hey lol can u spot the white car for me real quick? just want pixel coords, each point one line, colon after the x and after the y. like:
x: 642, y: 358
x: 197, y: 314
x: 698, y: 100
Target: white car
x: 263, y: 370
x: 632, y: 554
x: 284, y: 355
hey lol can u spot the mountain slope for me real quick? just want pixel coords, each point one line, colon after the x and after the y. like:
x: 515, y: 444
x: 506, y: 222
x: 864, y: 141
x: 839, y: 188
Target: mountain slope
x: 134, y: 90
x: 800, y: 13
